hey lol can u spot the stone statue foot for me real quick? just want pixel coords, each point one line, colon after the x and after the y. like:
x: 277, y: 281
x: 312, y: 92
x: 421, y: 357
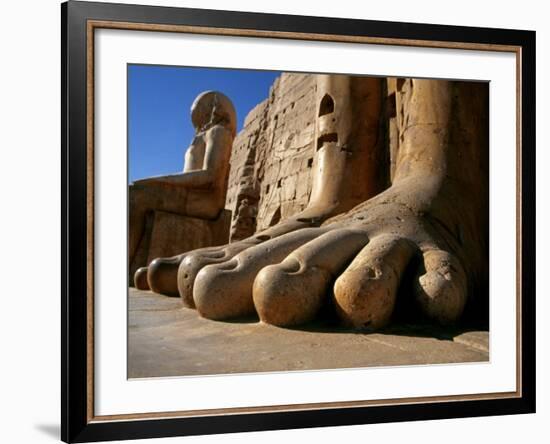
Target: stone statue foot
x: 358, y: 259
x: 174, y: 276
x: 161, y: 276
x: 194, y: 261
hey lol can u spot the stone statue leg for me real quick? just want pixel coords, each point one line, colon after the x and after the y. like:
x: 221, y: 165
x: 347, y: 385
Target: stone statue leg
x: 431, y: 221
x: 146, y: 198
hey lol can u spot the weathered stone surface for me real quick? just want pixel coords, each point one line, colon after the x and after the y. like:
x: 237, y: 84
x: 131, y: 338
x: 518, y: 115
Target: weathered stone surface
x: 276, y: 152
x: 273, y: 154
x: 244, y: 222
x: 173, y: 234
x: 165, y: 339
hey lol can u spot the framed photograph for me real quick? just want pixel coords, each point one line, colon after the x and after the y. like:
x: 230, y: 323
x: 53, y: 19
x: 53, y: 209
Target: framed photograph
x: 275, y: 221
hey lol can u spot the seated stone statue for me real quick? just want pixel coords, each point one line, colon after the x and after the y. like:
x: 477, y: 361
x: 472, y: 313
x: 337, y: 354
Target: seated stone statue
x: 200, y: 190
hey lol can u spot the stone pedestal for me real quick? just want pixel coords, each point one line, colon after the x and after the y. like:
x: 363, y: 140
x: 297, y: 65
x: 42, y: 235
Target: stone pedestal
x: 169, y: 234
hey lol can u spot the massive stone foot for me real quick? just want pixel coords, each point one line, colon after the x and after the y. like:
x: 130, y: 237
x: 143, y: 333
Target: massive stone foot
x: 359, y: 260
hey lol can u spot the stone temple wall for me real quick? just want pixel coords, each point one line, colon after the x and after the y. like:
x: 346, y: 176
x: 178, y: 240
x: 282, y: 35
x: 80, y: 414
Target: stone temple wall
x: 272, y: 158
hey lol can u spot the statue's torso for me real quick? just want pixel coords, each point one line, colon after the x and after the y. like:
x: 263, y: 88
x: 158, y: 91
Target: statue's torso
x: 207, y: 201
x: 194, y: 156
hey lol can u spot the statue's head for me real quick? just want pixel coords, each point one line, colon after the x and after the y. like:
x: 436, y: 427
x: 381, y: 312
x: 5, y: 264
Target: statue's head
x: 213, y: 108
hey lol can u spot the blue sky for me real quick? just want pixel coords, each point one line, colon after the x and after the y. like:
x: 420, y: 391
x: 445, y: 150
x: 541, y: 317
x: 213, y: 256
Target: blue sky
x: 159, y: 99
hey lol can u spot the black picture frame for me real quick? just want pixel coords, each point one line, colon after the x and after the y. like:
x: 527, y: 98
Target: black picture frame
x: 77, y: 424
